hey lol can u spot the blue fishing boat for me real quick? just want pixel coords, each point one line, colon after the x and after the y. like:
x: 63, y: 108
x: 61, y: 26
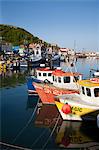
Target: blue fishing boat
x: 31, y: 88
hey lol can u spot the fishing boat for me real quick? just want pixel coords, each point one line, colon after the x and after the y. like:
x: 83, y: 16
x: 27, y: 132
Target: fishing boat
x: 31, y: 88
x: 55, y: 57
x: 76, y: 135
x: 82, y: 106
x: 42, y: 75
x: 62, y: 83
x: 35, y: 56
x: 94, y: 72
x: 23, y: 64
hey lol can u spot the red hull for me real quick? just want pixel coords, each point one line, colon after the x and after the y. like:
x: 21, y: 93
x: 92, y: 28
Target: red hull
x: 47, y: 93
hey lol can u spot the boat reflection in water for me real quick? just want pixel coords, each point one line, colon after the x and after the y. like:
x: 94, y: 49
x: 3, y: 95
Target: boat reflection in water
x: 32, y: 101
x: 78, y: 135
x: 12, y: 78
x: 67, y: 134
x: 47, y: 116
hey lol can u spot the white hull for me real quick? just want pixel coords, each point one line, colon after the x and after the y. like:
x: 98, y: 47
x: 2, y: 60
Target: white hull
x: 79, y: 108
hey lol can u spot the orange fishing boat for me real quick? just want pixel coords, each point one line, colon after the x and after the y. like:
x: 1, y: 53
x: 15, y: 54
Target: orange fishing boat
x: 63, y: 83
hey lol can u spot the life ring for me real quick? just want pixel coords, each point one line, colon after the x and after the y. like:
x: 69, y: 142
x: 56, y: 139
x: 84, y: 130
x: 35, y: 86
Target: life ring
x: 94, y: 80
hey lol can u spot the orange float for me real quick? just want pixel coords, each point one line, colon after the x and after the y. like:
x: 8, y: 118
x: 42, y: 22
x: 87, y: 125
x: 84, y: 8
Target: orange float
x: 66, y: 109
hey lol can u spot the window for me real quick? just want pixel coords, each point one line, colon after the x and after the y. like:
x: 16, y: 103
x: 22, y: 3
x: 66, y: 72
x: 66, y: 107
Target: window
x: 39, y: 74
x: 76, y: 78
x: 53, y: 78
x: 88, y: 91
x: 59, y: 79
x: 49, y: 74
x: 83, y: 91
x: 44, y: 74
x: 96, y: 92
x: 66, y: 79
x: 37, y: 52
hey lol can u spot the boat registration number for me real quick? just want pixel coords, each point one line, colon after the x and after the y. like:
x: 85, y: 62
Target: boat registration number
x: 76, y: 109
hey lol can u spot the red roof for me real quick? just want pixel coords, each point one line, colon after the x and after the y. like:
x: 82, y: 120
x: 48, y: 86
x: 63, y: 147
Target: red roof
x: 44, y: 69
x: 62, y: 73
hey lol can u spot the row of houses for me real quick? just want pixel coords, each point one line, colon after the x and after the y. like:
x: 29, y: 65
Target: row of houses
x: 66, y: 51
x: 33, y: 47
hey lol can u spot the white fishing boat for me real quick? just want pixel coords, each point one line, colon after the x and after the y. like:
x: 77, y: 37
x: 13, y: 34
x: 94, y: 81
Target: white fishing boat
x: 82, y: 106
x: 23, y: 64
x: 61, y: 83
x: 35, y: 56
x: 94, y: 72
x: 42, y: 75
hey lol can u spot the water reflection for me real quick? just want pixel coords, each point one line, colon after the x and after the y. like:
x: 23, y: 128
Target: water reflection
x: 67, y: 134
x: 44, y: 127
x: 11, y: 78
x: 46, y: 116
x: 78, y: 135
x: 32, y: 101
x: 78, y: 64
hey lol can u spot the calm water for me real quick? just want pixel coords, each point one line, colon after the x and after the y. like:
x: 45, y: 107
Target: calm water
x: 27, y: 125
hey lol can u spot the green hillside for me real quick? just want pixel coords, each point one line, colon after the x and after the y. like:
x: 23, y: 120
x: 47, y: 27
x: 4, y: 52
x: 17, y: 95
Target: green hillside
x: 16, y: 35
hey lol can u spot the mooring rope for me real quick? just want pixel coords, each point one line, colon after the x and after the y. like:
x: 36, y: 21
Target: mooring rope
x: 14, y: 146
x: 38, y: 138
x: 40, y: 135
x: 51, y: 132
x: 27, y: 123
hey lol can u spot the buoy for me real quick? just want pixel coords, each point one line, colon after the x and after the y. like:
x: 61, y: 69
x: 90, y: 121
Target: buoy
x: 94, y: 80
x: 66, y: 109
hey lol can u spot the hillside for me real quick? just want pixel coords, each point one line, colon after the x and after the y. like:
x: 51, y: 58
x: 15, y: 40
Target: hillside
x: 16, y: 35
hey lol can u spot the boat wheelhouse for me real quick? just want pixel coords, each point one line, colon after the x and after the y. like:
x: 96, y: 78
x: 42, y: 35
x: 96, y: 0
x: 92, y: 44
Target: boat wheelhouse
x: 42, y: 75
x: 63, y: 83
x: 85, y: 105
x: 89, y: 90
x: 66, y: 80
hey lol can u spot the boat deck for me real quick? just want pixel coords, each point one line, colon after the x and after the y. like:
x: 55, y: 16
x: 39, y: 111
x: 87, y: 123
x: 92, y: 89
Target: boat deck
x: 75, y: 99
x: 52, y: 87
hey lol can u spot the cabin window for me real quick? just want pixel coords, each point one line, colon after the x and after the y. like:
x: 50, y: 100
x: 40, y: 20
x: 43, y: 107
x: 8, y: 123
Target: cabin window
x: 83, y: 91
x: 88, y: 91
x: 37, y: 52
x: 49, y: 74
x: 39, y: 74
x: 96, y: 92
x: 59, y: 79
x: 44, y: 74
x: 66, y: 79
x: 76, y: 78
x: 53, y: 78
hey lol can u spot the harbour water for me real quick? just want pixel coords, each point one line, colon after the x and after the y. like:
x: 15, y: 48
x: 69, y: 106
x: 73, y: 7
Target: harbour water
x: 24, y: 124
